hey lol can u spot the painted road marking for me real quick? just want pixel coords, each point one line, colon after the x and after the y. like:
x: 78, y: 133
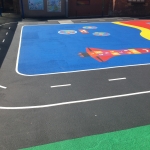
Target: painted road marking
x: 74, y: 71
x: 8, y: 23
x: 3, y: 87
x: 9, y: 27
x: 117, y: 79
x: 74, y: 102
x: 3, y: 40
x: 6, y: 33
x: 54, y: 86
x: 65, y: 22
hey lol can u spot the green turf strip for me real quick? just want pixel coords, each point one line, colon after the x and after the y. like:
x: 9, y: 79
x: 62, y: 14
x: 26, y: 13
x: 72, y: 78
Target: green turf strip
x: 131, y: 139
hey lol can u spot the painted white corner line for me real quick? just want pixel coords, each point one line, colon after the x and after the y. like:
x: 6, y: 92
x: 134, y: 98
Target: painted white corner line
x: 73, y: 102
x: 117, y: 79
x: 54, y: 86
x: 17, y: 61
x: 3, y: 40
x: 3, y: 87
x: 75, y: 70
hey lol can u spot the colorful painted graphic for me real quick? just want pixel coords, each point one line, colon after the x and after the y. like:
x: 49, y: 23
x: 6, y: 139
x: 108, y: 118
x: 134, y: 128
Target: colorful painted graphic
x: 102, y: 55
x: 83, y: 31
x: 61, y: 48
x: 36, y: 4
x: 67, y: 32
x: 101, y: 34
x: 140, y: 25
x: 54, y: 5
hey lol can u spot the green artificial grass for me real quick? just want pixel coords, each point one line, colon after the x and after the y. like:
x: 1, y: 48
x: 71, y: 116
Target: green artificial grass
x: 131, y: 139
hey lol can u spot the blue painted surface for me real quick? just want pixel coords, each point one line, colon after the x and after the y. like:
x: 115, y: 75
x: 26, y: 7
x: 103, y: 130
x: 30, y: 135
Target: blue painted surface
x: 45, y: 51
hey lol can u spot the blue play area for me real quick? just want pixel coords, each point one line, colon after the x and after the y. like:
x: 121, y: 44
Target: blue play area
x: 48, y: 49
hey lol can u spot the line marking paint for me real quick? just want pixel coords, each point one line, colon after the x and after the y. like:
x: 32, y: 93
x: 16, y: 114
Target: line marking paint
x: 73, y: 102
x: 60, y: 85
x: 6, y: 33
x: 3, y: 87
x: 3, y: 40
x: 9, y: 27
x: 75, y: 71
x: 117, y: 79
x: 8, y: 23
x: 65, y: 22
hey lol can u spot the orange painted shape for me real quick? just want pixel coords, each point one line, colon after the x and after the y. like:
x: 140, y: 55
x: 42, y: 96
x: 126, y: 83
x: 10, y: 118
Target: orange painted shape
x: 134, y: 51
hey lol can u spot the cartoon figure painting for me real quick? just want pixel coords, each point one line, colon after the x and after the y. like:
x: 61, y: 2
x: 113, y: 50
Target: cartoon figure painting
x: 102, y: 55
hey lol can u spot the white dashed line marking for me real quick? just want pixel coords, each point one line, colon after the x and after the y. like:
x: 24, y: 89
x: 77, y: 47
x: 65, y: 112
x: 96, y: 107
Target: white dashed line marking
x: 3, y: 40
x: 117, y: 79
x: 6, y: 33
x: 9, y: 27
x: 60, y: 85
x: 3, y: 87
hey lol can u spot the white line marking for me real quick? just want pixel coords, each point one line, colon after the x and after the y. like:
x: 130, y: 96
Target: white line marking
x: 117, y: 79
x: 74, y: 102
x: 6, y: 33
x: 65, y: 22
x: 8, y: 23
x: 3, y: 87
x: 60, y: 85
x: 9, y: 27
x: 74, y: 71
x: 17, y: 61
x: 3, y: 40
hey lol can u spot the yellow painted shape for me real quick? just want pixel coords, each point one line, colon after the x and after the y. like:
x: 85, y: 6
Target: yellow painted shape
x: 115, y: 53
x: 129, y: 53
x: 134, y: 51
x: 98, y: 52
x: 145, y: 33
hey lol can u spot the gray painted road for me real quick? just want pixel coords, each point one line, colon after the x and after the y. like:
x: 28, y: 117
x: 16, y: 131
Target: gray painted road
x: 30, y: 127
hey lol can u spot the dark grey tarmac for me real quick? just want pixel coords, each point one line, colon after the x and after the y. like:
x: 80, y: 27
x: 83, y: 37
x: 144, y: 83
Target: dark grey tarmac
x: 31, y: 127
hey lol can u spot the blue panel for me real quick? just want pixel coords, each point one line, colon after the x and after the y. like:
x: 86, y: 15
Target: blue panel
x: 43, y: 50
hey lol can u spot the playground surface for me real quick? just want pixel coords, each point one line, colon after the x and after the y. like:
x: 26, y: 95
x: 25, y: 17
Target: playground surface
x: 77, y: 86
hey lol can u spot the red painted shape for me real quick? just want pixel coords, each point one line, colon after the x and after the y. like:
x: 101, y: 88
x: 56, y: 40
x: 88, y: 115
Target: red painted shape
x: 139, y: 23
x: 103, y: 55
